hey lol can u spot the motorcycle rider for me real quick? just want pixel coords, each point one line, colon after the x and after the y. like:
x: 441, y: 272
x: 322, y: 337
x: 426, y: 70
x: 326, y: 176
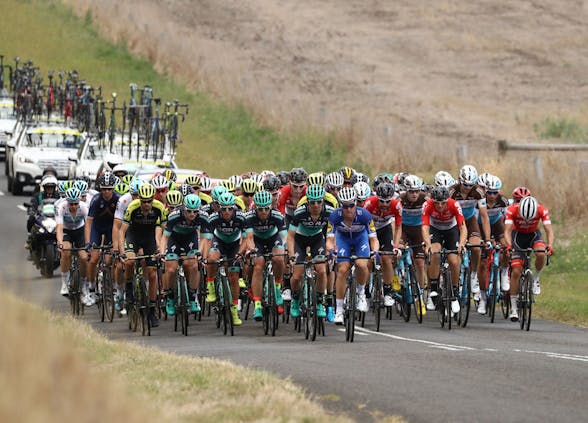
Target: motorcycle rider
x: 48, y: 190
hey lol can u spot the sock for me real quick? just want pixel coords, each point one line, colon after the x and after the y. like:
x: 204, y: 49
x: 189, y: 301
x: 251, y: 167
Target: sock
x: 434, y: 284
x: 257, y: 299
x: 257, y: 303
x: 235, y: 302
x: 64, y: 276
x: 279, y: 284
x: 536, y: 276
x: 329, y: 299
x: 340, y: 305
x: 360, y: 289
x: 483, y: 295
x: 504, y: 274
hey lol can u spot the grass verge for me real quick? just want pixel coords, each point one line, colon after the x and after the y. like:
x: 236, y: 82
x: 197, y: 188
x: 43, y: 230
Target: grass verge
x: 222, y: 139
x: 56, y: 368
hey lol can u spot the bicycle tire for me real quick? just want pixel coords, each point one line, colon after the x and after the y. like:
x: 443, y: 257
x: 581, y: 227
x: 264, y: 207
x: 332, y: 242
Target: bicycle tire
x: 493, y: 297
x: 312, y: 312
x: 100, y: 295
x: 266, y: 305
x: 108, y: 295
x: 505, y: 304
x: 404, y: 304
x: 530, y: 299
x: 350, y: 312
x: 74, y: 294
x: 447, y: 297
x: 184, y: 306
x: 228, y: 319
x: 377, y: 299
x: 465, y: 299
x: 415, y: 291
x: 522, y: 301
x: 142, y: 306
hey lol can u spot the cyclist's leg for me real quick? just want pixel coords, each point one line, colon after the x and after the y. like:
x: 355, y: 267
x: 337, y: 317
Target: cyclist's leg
x: 214, y: 255
x: 385, y: 240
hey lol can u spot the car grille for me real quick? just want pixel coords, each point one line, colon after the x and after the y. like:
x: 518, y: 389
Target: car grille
x: 61, y: 166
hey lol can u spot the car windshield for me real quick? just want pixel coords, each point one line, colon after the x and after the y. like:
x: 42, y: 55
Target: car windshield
x: 6, y: 112
x: 53, y: 140
x: 93, y: 152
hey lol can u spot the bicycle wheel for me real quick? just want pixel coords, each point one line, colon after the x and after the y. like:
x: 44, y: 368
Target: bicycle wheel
x: 142, y: 304
x: 312, y: 310
x: 406, y: 296
x: 377, y: 296
x: 465, y: 294
x: 523, y: 299
x: 505, y: 304
x: 185, y: 307
x: 448, y: 297
x: 350, y: 311
x: 228, y: 318
x: 415, y: 292
x: 108, y: 295
x: 493, y: 294
x: 530, y: 299
x: 100, y: 294
x: 271, y: 301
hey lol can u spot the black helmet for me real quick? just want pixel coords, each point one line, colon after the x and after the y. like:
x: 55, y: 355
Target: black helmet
x: 186, y: 189
x: 385, y: 190
x: 381, y: 178
x: 439, y: 194
x: 298, y: 175
x: 49, y: 170
x: 272, y: 183
x: 284, y: 177
x: 106, y: 180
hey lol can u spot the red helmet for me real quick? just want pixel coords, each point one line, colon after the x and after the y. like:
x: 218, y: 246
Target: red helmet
x: 521, y: 192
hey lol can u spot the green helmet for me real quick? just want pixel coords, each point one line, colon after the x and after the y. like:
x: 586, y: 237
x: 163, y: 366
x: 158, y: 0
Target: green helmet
x: 226, y: 199
x: 262, y: 199
x: 64, y: 186
x: 217, y: 191
x: 192, y: 202
x: 121, y: 188
x: 315, y: 192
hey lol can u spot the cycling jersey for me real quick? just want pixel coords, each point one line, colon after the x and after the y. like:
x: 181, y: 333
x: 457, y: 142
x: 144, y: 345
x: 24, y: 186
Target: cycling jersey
x: 142, y: 224
x: 468, y: 203
x: 182, y: 230
x: 354, y: 237
x: 384, y: 216
x: 452, y: 215
x: 497, y: 210
x: 121, y: 207
x: 102, y: 212
x: 272, y: 226
x: 521, y: 225
x: 412, y: 211
x: 285, y: 204
x: 64, y: 217
x: 226, y: 231
x: 329, y: 199
x: 206, y: 199
x: 303, y: 223
x: 241, y: 204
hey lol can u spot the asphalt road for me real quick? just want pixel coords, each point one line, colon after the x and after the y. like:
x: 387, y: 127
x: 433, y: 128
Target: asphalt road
x: 486, y: 372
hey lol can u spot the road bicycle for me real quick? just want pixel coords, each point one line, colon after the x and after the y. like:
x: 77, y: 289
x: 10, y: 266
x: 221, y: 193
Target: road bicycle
x: 350, y: 312
x: 105, y: 300
x: 75, y: 282
x: 526, y: 296
x: 308, y: 300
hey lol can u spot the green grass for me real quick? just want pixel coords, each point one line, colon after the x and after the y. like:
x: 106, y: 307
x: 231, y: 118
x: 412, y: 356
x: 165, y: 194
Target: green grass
x: 561, y: 128
x: 564, y: 296
x: 222, y: 139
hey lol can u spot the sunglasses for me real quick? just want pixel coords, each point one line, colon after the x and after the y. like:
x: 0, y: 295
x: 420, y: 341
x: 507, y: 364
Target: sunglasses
x: 413, y: 191
x: 440, y: 202
x: 297, y: 186
x: 492, y: 192
x: 467, y: 185
x: 348, y: 206
x: 315, y: 202
x: 275, y: 193
x: 227, y: 208
x: 191, y: 211
x: 385, y: 200
x: 263, y: 209
x: 146, y: 201
x: 247, y: 194
x: 106, y: 189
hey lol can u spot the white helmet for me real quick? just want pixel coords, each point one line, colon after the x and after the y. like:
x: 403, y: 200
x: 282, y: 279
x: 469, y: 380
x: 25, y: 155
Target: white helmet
x: 468, y: 175
x: 528, y: 208
x: 493, y: 183
x: 120, y: 168
x: 237, y: 180
x: 363, y: 190
x: 413, y: 183
x: 334, y: 180
x: 444, y: 179
x: 267, y: 173
x: 160, y: 182
x: 206, y: 184
x: 258, y: 178
x: 347, y: 195
x: 49, y: 180
x: 112, y: 159
x: 483, y: 179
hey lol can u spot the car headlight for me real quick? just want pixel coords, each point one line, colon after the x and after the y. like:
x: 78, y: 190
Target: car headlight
x: 49, y: 225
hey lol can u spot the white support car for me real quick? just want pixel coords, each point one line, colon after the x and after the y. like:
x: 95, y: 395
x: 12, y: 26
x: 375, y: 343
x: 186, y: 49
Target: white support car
x: 7, y: 124
x: 36, y: 147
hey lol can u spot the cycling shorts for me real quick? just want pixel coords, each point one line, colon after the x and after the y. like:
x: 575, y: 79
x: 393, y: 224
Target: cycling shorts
x: 449, y: 239
x: 268, y: 245
x: 413, y: 236
x: 229, y: 251
x: 175, y: 248
x: 385, y: 238
x: 74, y: 236
x: 358, y: 244
x: 96, y: 235
x: 523, y: 241
x: 316, y: 243
x: 147, y: 244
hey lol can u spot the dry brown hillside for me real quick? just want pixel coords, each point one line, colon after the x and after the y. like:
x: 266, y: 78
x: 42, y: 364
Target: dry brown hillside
x: 422, y: 75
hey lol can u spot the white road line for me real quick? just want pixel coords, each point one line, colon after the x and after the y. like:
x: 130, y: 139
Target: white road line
x: 356, y: 332
x: 20, y: 206
x: 1, y: 193
x: 558, y: 355
x: 422, y: 341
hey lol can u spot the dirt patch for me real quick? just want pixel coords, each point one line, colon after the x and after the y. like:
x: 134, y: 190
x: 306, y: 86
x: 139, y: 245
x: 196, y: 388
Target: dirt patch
x: 406, y: 77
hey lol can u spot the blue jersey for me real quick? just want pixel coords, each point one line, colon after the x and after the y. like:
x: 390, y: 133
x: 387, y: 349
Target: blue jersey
x: 363, y: 223
x: 102, y: 211
x: 470, y: 202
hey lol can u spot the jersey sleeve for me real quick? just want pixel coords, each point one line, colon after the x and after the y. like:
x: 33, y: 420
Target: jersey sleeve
x: 59, y: 215
x: 458, y: 214
x: 427, y: 213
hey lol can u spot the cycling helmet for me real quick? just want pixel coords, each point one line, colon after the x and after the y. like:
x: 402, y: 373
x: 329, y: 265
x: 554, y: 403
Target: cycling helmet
x: 381, y: 178
x: 49, y: 170
x: 468, y: 175
x: 135, y: 185
x: 170, y: 175
x: 64, y: 186
x: 316, y: 178
x: 334, y: 180
x: 112, y: 159
x: 385, y: 190
x: 120, y: 170
x: 271, y: 183
x: 237, y: 181
x: 521, y: 192
x: 193, y: 180
x: 298, y: 175
x: 127, y: 179
x: 174, y: 198
x: 444, y: 179
x: 206, y: 184
x: 528, y: 208
x: 363, y: 190
x: 347, y: 195
x: 315, y: 192
x: 81, y: 185
x: 121, y: 188
x: 413, y: 183
x: 258, y: 178
x: 483, y: 179
x: 217, y: 191
x: 284, y: 177
x: 249, y: 186
x: 262, y: 199
x: 49, y: 180
x: 186, y: 189
x: 229, y: 185
x: 359, y: 177
x: 192, y: 202
x: 440, y: 194
x: 226, y: 199
x: 106, y: 180
x: 347, y: 173
x: 493, y: 183
x: 73, y: 195
x: 160, y: 182
x: 146, y: 191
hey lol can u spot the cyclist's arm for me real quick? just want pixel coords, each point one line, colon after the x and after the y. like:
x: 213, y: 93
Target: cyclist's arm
x: 463, y: 234
x: 290, y: 242
x: 397, y: 235
x: 88, y: 229
x: 549, y: 234
x: 508, y: 233
x: 426, y: 231
x: 249, y: 243
x: 485, y: 222
x: 163, y: 242
x: 374, y: 244
x: 59, y: 234
x: 121, y: 238
x: 116, y: 224
x: 158, y: 235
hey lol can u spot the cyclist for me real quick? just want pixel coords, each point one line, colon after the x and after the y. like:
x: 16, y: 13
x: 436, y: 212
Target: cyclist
x: 521, y: 231
x: 70, y: 217
x: 272, y: 185
x: 48, y: 191
x: 161, y: 185
x: 443, y: 227
x: 347, y: 173
x: 141, y: 230
x: 351, y: 229
x: 319, y: 179
x: 334, y: 182
x: 385, y: 210
x: 266, y: 233
x: 98, y: 228
x: 291, y: 194
x: 307, y: 230
x: 196, y: 182
x: 180, y: 237
x: 226, y: 229
x: 237, y: 181
x: 444, y: 179
x: 248, y: 189
x: 519, y: 193
x: 230, y: 186
x: 471, y: 198
x: 362, y: 191
x: 174, y: 199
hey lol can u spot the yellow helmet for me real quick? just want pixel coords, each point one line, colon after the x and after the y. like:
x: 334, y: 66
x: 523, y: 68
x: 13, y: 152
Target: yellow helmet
x: 249, y: 186
x: 317, y: 178
x: 229, y: 185
x: 146, y: 191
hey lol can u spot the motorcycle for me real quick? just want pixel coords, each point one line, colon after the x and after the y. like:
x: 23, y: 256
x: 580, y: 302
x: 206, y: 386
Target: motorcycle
x: 44, y: 251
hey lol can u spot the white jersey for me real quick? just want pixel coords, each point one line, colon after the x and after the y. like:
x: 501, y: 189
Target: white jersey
x: 64, y: 217
x: 90, y: 196
x: 121, y: 207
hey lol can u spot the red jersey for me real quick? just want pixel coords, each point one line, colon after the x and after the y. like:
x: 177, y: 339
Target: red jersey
x: 384, y: 216
x: 521, y: 225
x: 442, y: 220
x: 285, y: 203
